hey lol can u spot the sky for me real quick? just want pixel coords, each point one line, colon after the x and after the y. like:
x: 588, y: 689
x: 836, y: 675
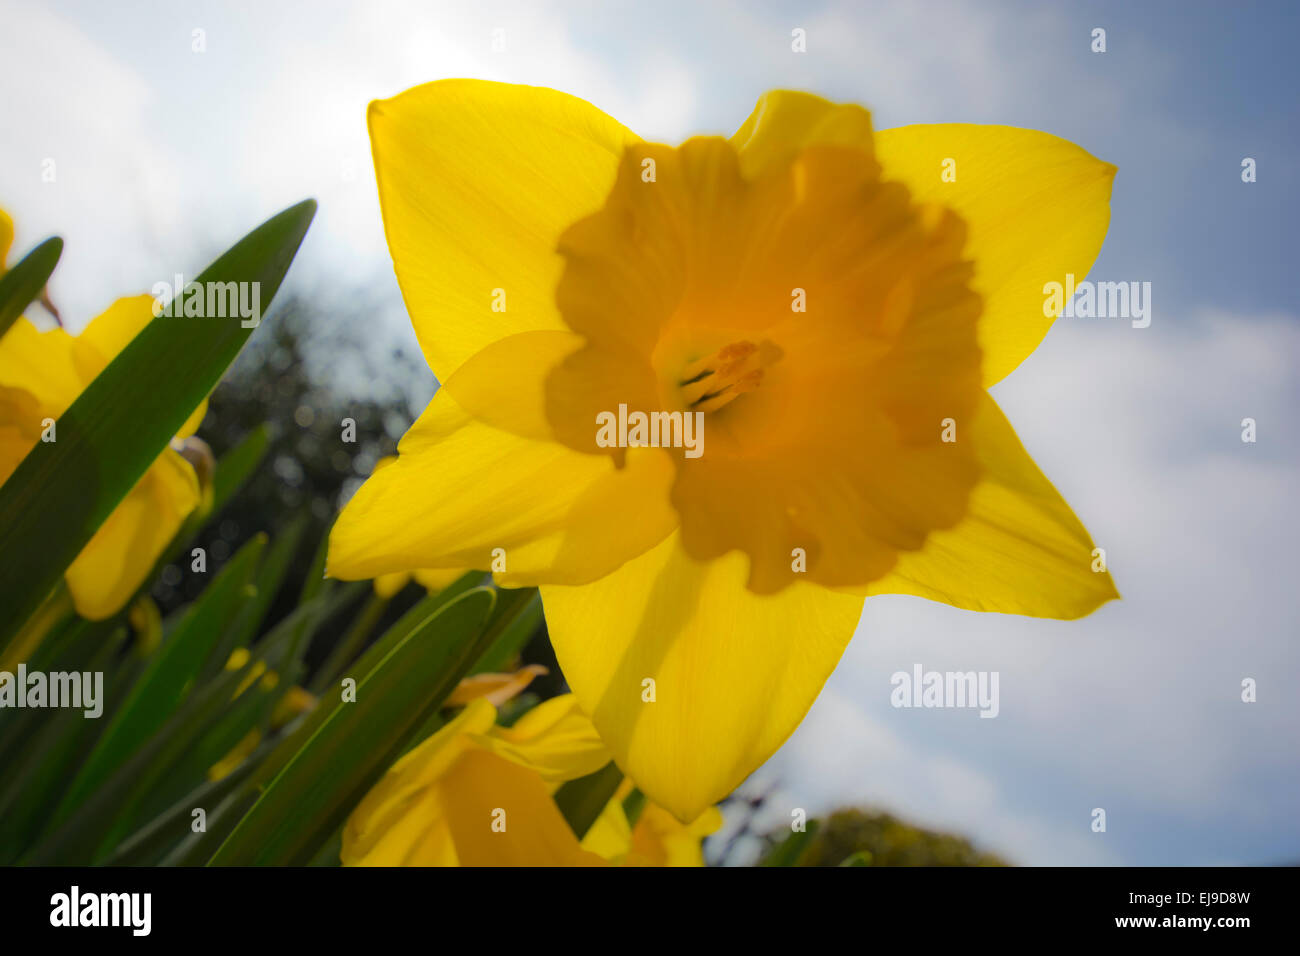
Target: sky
x: 164, y: 155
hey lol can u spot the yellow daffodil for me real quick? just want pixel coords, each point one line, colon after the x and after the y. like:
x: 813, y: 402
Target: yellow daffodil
x: 496, y: 689
x: 477, y: 794
x: 41, y: 375
x: 6, y: 238
x: 825, y: 305
x: 657, y: 839
x: 480, y: 795
x: 431, y: 579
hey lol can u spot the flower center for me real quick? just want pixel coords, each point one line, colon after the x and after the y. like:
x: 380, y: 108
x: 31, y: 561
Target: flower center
x: 840, y: 308
x: 710, y: 383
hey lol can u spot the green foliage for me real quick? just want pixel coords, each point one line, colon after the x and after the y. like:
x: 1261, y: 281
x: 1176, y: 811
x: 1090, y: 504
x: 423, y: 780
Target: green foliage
x: 852, y: 837
x: 20, y: 286
x: 64, y: 490
x: 207, y: 711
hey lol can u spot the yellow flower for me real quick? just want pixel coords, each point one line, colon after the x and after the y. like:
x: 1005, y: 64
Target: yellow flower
x: 431, y: 579
x: 496, y: 689
x: 41, y: 375
x: 480, y: 795
x: 6, y: 238
x: 658, y: 839
x: 832, y: 309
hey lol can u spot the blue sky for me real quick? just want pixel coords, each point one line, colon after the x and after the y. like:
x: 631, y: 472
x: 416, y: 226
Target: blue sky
x: 1135, y: 709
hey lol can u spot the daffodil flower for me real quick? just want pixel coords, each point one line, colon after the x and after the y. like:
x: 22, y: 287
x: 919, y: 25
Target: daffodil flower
x: 832, y: 301
x: 657, y: 838
x: 478, y: 794
x: 431, y: 579
x: 41, y: 375
x: 496, y: 689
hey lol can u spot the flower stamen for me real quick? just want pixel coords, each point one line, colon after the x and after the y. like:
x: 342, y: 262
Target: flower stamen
x: 714, y: 381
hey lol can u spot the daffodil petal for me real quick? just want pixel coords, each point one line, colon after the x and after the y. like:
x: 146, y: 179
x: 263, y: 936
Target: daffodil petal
x: 1036, y: 206
x: 496, y: 689
x: 659, y: 839
x: 733, y: 673
x: 476, y: 182
x: 504, y: 385
x: 785, y: 121
x: 1020, y: 549
x: 466, y: 495
x: 387, y: 826
x: 387, y: 585
x: 120, y: 555
x: 610, y: 835
x: 502, y: 814
x: 6, y: 237
x: 114, y: 328
x: 555, y: 739
x: 45, y: 364
x: 435, y: 579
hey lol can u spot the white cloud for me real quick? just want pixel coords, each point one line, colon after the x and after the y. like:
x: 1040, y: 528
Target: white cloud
x: 1136, y: 708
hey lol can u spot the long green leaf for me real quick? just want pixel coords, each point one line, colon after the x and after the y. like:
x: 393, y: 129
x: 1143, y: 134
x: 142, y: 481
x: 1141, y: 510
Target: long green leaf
x: 105, y: 818
x: 165, y: 830
x: 65, y: 489
x: 237, y: 465
x: 34, y: 777
x: 20, y: 286
x: 524, y: 609
x: 270, y: 575
x: 173, y: 669
x: 357, y: 740
x: 91, y: 832
x: 199, y: 847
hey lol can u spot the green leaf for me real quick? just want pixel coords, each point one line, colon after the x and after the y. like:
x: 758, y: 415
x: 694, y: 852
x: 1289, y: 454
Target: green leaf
x: 355, y: 742
x: 280, y: 651
x: 340, y: 657
x: 583, y: 800
x: 792, y: 848
x: 524, y: 606
x: 106, y: 816
x: 149, y: 844
x: 237, y: 465
x: 91, y: 832
x: 633, y: 806
x: 20, y: 286
x: 64, y: 490
x: 350, y: 644
x: 169, y: 675
x: 35, y: 775
x: 270, y: 575
x: 315, y: 580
